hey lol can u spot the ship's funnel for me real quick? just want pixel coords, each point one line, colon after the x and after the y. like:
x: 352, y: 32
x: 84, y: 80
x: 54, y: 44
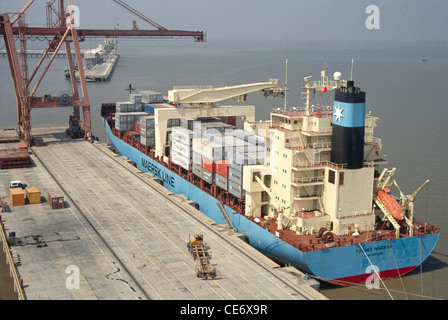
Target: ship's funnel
x: 348, y: 126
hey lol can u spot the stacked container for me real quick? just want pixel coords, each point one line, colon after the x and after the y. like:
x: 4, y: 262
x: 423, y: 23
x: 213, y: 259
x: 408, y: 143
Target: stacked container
x: 149, y: 96
x: 147, y: 131
x: 181, y: 147
x: 125, y: 121
x: 222, y: 174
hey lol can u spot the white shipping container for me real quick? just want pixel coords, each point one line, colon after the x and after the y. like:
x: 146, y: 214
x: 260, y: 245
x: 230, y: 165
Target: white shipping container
x: 183, y: 135
x: 212, y: 151
x: 179, y: 159
x: 197, y: 159
x: 181, y: 148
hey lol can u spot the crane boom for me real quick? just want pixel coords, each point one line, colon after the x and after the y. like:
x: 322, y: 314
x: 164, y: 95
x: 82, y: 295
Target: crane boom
x: 212, y: 95
x: 139, y: 14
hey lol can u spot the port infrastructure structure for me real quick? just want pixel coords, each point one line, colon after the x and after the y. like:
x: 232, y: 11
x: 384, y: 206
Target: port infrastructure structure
x: 61, y: 28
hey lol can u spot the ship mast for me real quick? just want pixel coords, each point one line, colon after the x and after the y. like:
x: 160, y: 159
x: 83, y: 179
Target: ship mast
x: 286, y: 81
x: 324, y: 84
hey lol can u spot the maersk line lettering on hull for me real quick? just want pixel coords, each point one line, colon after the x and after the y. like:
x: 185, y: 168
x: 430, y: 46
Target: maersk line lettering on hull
x: 157, y: 172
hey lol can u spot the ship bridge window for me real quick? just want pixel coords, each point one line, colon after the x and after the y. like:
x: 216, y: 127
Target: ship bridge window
x: 331, y: 176
x: 341, y: 178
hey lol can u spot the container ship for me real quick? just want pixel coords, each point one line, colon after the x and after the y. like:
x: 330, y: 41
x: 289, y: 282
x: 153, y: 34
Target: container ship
x: 307, y: 187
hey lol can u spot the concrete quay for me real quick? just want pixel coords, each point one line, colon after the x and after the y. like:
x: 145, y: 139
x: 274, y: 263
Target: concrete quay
x: 122, y: 236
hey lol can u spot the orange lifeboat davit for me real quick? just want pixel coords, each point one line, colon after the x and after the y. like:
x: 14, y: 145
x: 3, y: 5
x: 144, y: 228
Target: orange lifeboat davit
x: 391, y: 204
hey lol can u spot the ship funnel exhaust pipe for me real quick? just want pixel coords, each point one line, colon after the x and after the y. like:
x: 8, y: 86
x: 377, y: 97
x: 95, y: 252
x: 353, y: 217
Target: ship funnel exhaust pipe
x: 348, y: 126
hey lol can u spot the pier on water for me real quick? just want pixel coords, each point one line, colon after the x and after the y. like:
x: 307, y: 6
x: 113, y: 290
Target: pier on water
x: 39, y: 53
x: 121, y: 235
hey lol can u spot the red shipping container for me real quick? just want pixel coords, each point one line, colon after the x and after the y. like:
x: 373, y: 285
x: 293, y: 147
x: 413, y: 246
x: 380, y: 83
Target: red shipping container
x: 137, y: 127
x: 222, y: 168
x: 208, y: 164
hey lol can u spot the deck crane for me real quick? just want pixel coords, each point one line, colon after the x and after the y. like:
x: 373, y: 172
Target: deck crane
x: 203, y: 101
x: 63, y: 32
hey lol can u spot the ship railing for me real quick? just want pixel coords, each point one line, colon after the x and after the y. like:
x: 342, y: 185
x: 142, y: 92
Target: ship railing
x: 292, y: 144
x: 350, y: 215
x: 307, y: 180
x: 193, y: 87
x: 306, y: 164
x: 305, y: 195
x: 309, y: 214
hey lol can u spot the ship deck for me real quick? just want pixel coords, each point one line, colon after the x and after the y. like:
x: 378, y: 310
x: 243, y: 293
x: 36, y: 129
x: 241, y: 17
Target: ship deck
x: 126, y: 235
x: 314, y: 242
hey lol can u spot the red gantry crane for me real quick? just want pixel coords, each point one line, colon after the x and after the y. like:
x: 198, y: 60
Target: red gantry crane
x: 61, y: 26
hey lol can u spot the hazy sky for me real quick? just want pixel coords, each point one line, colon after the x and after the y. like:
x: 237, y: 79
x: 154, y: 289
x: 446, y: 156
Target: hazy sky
x: 284, y: 21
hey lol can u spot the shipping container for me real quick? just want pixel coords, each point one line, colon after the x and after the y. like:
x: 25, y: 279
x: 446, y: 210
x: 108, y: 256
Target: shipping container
x: 241, y: 158
x: 222, y: 168
x: 183, y: 135
x: 149, y: 96
x: 182, y: 149
x: 147, y: 132
x: 237, y: 167
x: 211, y: 130
x: 148, y: 141
x: 56, y: 199
x: 181, y: 160
x: 235, y: 176
x: 197, y: 159
x: 235, y: 189
x: 32, y: 194
x: 211, y: 150
x: 121, y: 107
x: 208, y: 176
x: 17, y: 196
x: 197, y: 170
x: 147, y: 121
x: 208, y: 164
x: 135, y: 97
x: 221, y: 182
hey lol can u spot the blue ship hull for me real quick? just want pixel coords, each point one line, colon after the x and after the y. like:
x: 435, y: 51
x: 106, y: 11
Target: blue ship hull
x: 340, y: 265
